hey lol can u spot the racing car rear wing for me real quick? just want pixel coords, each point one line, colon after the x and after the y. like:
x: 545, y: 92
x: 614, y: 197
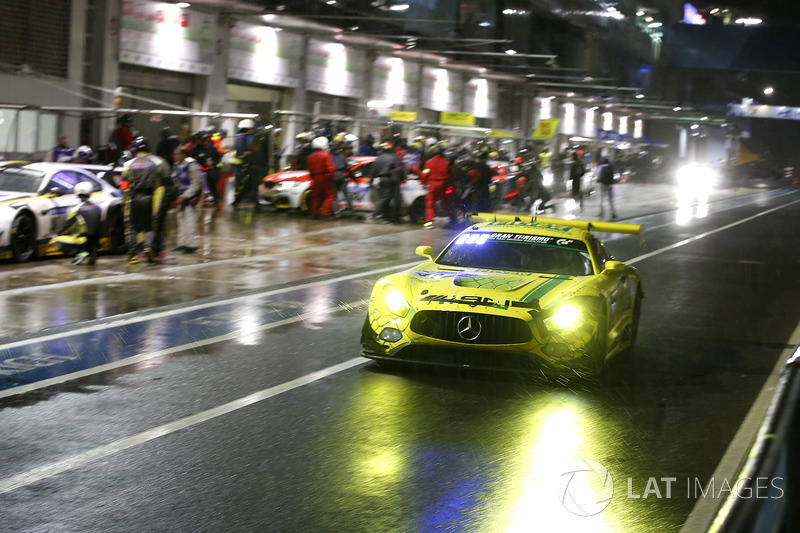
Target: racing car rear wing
x: 587, y: 225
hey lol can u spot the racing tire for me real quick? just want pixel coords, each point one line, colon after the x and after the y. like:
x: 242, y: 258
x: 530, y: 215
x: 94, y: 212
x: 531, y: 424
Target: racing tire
x: 417, y: 211
x: 634, y: 332
x: 23, y: 238
x: 598, y: 364
x: 305, y: 202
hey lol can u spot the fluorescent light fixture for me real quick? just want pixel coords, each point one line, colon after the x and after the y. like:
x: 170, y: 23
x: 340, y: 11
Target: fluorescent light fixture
x: 714, y: 11
x: 511, y: 52
x: 676, y: 108
x: 639, y: 96
x: 769, y: 90
x: 485, y: 24
x: 694, y: 126
x: 331, y: 2
x: 183, y: 5
x: 655, y: 25
x: 399, y: 7
x: 749, y: 21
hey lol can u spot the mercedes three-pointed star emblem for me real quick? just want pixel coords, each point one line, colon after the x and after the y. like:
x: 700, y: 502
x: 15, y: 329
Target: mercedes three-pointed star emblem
x: 469, y: 328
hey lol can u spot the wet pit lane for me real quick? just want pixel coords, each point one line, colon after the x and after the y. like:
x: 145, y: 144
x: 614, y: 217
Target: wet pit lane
x: 241, y: 404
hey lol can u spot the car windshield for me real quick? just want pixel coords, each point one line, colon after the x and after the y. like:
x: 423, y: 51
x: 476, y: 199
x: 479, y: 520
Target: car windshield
x: 17, y: 180
x: 518, y: 252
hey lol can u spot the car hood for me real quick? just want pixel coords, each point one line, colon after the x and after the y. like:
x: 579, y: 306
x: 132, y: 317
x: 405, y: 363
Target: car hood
x: 435, y: 288
x: 10, y: 196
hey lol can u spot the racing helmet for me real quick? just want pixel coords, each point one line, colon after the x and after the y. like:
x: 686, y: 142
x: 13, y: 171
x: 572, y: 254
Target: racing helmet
x: 247, y: 124
x: 320, y: 143
x: 387, y: 146
x: 84, y: 152
x: 140, y: 144
x: 84, y: 188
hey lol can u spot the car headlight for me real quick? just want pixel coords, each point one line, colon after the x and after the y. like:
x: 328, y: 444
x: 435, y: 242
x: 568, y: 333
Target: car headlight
x: 396, y: 303
x: 565, y: 318
x: 391, y: 298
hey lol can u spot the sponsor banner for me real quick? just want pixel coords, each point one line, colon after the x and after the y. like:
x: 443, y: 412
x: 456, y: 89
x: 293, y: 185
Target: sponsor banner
x: 164, y: 36
x: 264, y: 55
x: 334, y: 69
x: 764, y: 111
x: 394, y: 80
x: 457, y: 119
x: 546, y: 128
x: 403, y: 116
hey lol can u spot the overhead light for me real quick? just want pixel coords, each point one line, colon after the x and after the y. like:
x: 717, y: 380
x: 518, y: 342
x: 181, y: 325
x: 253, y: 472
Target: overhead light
x: 769, y: 90
x: 714, y: 11
x: 704, y: 118
x: 331, y: 2
x: 485, y: 24
x: 639, y: 96
x: 694, y: 126
x: 676, y: 108
x: 749, y: 21
x: 268, y: 18
x: 655, y: 25
x: 399, y: 7
x: 640, y: 13
x: 511, y: 52
x: 183, y: 5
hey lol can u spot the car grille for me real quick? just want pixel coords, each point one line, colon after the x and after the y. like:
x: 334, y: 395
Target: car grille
x: 467, y: 357
x: 473, y: 328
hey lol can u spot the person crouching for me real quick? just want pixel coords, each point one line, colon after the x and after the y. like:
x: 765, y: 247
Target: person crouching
x: 186, y: 174
x: 80, y: 234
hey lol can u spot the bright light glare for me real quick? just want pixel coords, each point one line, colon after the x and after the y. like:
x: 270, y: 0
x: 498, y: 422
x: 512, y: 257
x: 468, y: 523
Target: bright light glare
x: 511, y: 52
x: 399, y: 7
x: 396, y: 303
x: 462, y: 239
x: 696, y: 179
x: 749, y: 21
x: 566, y: 316
x: 547, y: 177
x: 769, y: 90
x: 183, y: 5
x: 482, y: 238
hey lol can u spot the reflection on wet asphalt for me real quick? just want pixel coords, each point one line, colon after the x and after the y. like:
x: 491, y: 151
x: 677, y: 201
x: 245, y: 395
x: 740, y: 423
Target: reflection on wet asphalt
x: 367, y: 448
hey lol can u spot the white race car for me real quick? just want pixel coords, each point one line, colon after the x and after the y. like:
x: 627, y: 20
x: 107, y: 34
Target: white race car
x: 35, y: 200
x: 291, y: 189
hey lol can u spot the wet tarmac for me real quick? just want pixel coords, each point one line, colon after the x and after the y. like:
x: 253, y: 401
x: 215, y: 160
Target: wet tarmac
x: 232, y: 397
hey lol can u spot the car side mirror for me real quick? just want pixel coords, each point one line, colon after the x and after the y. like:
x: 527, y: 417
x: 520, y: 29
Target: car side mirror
x: 56, y: 191
x: 425, y: 251
x: 614, y: 266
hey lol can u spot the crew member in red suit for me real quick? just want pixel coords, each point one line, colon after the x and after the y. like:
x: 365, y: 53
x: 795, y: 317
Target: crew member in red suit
x: 436, y: 175
x: 320, y: 166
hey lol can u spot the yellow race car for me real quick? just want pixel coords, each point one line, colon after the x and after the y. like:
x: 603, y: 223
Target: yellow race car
x: 513, y: 293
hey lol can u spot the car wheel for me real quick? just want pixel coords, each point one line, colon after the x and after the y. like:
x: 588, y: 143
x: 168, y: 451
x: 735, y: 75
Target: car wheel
x: 23, y: 237
x: 305, y: 202
x: 417, y: 211
x: 597, y: 365
x: 634, y: 331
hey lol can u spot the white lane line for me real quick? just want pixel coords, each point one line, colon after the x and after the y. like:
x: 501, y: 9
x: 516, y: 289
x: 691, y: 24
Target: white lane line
x: 167, y: 351
x: 75, y: 461
x: 127, y: 319
x: 706, y: 234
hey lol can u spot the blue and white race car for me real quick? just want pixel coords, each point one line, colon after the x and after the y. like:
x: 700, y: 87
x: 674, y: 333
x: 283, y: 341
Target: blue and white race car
x: 34, y: 202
